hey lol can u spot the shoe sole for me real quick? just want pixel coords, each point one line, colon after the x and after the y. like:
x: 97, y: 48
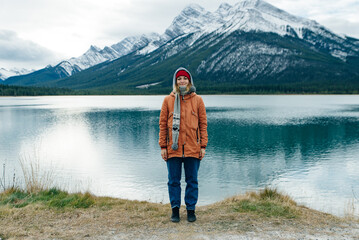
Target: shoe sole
x: 175, y: 220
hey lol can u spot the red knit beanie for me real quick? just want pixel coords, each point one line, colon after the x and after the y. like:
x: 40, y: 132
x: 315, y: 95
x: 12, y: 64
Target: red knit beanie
x: 183, y: 73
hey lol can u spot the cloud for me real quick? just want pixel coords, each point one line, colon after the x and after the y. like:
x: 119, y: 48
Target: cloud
x: 15, y: 49
x: 339, y: 16
x: 342, y: 26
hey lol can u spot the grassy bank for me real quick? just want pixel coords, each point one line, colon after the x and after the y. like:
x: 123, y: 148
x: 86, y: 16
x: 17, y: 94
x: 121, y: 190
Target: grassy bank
x: 268, y: 202
x: 39, y: 211
x: 55, y: 214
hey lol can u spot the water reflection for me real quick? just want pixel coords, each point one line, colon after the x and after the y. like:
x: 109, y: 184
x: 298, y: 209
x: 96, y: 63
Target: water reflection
x: 309, y: 160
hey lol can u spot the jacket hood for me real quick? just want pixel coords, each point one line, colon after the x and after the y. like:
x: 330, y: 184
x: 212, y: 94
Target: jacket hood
x: 174, y: 76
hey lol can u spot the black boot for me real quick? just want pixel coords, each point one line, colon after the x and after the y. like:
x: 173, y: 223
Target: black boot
x: 175, y: 215
x: 191, y: 216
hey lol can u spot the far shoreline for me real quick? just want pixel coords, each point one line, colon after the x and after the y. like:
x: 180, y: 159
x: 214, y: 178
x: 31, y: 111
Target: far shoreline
x: 225, y: 94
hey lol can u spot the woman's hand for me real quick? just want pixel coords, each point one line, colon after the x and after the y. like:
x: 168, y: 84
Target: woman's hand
x: 202, y: 153
x: 164, y: 154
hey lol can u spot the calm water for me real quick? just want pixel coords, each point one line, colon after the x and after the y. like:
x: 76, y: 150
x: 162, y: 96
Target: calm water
x: 306, y: 146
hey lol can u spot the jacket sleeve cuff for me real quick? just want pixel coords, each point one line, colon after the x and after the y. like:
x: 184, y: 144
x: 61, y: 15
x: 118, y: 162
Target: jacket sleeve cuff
x: 203, y: 147
x: 164, y: 147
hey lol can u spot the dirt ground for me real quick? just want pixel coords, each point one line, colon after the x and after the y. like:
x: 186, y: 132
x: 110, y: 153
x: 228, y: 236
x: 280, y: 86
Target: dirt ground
x: 123, y: 219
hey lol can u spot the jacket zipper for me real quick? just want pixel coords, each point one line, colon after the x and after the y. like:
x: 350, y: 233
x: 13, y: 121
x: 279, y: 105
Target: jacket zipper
x: 183, y: 145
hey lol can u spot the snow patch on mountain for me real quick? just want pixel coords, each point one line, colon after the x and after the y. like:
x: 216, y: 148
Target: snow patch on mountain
x: 6, y: 73
x: 146, y: 86
x: 248, y: 15
x: 192, y: 19
x: 95, y: 55
x: 68, y: 67
x: 249, y: 59
x: 144, y: 44
x: 149, y: 48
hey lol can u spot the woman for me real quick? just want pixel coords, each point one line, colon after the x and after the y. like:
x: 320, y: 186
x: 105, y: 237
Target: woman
x: 183, y: 139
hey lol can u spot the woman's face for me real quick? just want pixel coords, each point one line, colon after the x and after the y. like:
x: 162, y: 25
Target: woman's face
x: 182, y: 81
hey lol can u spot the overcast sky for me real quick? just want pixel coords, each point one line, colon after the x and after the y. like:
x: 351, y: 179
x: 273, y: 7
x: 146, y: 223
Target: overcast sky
x: 34, y: 33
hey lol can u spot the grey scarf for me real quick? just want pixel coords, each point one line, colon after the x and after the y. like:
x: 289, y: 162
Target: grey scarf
x: 177, y: 114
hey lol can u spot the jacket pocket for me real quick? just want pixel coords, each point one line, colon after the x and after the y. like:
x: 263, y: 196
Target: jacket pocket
x: 197, y: 135
x: 168, y: 132
x: 194, y: 120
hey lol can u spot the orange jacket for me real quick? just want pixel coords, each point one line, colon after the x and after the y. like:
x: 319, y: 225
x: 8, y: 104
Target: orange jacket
x: 193, y: 126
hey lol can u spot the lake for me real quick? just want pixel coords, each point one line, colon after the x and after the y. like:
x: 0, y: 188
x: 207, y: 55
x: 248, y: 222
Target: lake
x: 305, y: 145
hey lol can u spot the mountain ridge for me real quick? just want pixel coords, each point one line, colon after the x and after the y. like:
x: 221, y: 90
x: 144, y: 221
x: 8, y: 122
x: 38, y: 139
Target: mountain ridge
x: 6, y: 73
x: 246, y: 42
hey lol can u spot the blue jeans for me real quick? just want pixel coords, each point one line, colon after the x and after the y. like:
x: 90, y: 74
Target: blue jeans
x: 174, y: 167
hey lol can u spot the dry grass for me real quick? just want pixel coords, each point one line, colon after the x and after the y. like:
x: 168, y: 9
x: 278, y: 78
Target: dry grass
x: 350, y: 210
x: 109, y: 218
x: 4, y: 185
x: 36, y: 178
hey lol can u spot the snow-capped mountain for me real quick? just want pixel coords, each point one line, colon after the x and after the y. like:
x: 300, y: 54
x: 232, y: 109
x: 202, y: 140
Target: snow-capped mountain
x: 246, y: 15
x: 6, y: 73
x: 193, y: 18
x: 256, y: 16
x: 249, y: 42
x: 95, y: 55
x: 151, y: 41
